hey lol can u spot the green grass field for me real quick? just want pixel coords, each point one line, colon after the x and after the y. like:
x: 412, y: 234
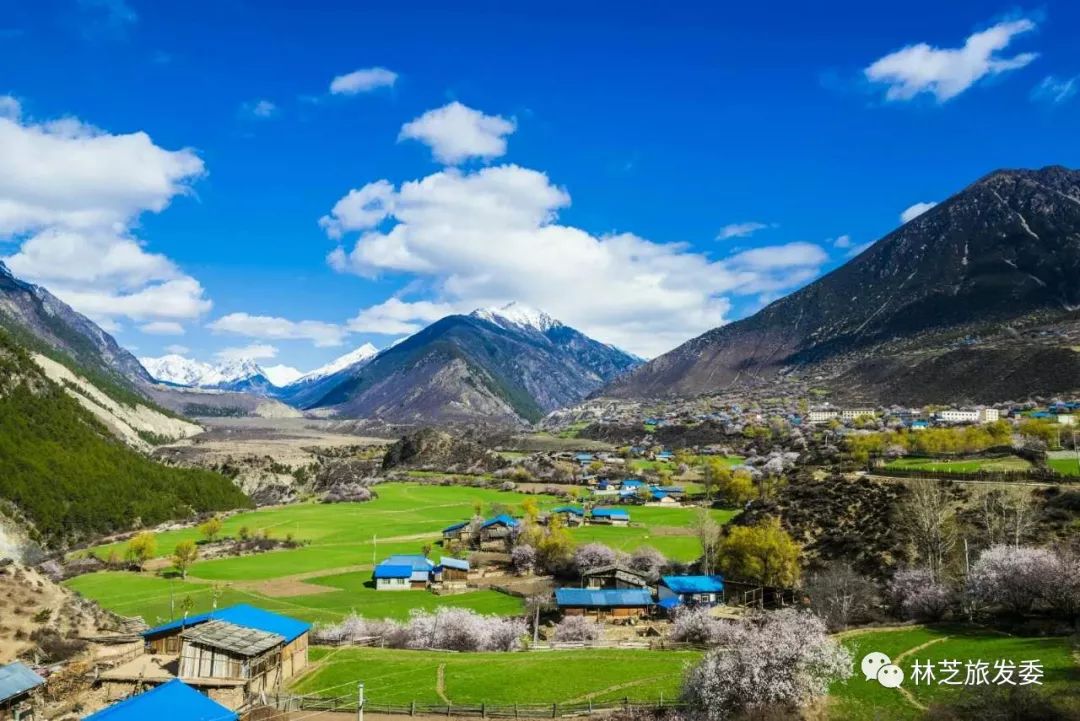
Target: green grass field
x: 862, y: 700
x: 1064, y: 466
x: 971, y: 465
x: 345, y: 541
x: 399, y: 677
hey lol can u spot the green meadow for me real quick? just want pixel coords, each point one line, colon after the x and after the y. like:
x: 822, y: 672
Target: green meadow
x: 343, y: 542
x: 961, y: 465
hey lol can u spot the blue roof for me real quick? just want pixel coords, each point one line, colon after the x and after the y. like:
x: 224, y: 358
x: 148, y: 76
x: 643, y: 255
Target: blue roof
x: 459, y: 564
x: 172, y: 701
x: 671, y: 489
x: 665, y: 454
x: 16, y: 679
x: 502, y: 519
x: 392, y: 570
x: 414, y: 561
x: 455, y: 527
x: 244, y: 615
x: 610, y: 513
x: 608, y: 597
x: 694, y: 584
x: 569, y: 509
x: 657, y: 493
x: 584, y: 456
x: 632, y: 483
x: 669, y: 602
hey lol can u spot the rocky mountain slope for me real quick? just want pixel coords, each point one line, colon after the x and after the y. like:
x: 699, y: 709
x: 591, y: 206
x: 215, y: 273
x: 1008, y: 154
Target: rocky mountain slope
x: 507, y: 365
x: 310, y: 387
x: 977, y: 299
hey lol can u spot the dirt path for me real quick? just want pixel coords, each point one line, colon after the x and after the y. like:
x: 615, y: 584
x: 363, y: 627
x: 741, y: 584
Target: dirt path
x: 440, y: 684
x: 617, y: 687
x: 906, y: 693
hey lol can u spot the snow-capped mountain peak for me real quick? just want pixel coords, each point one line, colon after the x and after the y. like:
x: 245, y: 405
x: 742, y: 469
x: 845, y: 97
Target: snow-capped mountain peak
x: 176, y: 369
x: 519, y: 315
x: 359, y: 355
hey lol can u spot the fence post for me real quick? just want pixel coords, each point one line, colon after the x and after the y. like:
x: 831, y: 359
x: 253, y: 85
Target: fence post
x: 590, y: 704
x: 626, y: 703
x: 554, y: 710
x: 483, y: 710
x: 515, y: 710
x: 412, y: 708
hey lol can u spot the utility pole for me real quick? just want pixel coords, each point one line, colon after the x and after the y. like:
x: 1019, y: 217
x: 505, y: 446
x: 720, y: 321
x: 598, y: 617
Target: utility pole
x: 360, y: 701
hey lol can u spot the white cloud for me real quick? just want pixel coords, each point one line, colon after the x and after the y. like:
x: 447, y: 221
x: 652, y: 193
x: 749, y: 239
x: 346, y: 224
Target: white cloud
x: 71, y: 194
x: 914, y: 211
x: 947, y: 72
x: 363, y: 81
x: 843, y: 241
x: 456, y: 133
x: 255, y: 351
x: 177, y: 349
x: 162, y: 327
x: 10, y: 107
x: 1055, y: 90
x: 261, y: 109
x: 281, y: 375
x: 274, y: 328
x: 741, y: 230
x: 360, y: 209
x: 397, y: 317
x: 486, y: 237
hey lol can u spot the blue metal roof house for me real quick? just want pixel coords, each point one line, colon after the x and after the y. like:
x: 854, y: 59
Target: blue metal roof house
x: 18, y: 686
x: 690, y: 591
x: 172, y: 701
x: 403, y: 571
x: 608, y: 602
x: 614, y: 516
x: 569, y: 510
x: 458, y: 564
x: 241, y: 614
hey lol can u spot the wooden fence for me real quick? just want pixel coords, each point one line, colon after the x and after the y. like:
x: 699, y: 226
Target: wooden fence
x: 527, y: 711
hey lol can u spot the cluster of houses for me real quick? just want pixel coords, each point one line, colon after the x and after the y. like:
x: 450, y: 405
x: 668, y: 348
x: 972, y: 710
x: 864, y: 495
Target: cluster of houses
x: 199, y: 668
x: 618, y: 593
x: 633, y: 490
x: 404, y: 572
x: 912, y: 418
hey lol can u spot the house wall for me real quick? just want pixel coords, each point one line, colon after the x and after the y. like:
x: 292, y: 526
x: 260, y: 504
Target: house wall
x: 294, y: 656
x: 25, y: 704
x: 602, y: 613
x: 392, y: 584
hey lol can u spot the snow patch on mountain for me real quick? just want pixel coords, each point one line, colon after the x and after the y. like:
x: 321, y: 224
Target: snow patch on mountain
x: 517, y: 315
x: 178, y: 370
x: 282, y: 375
x: 361, y: 354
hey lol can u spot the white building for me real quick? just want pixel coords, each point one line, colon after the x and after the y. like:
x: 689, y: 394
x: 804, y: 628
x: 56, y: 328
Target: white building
x: 1066, y: 420
x: 980, y: 415
x: 821, y: 416
x: 851, y: 414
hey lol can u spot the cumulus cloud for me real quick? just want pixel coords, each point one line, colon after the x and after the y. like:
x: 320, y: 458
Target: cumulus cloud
x: 456, y: 133
x: 914, y: 211
x: 741, y: 230
x: 10, y: 107
x: 260, y: 109
x: 363, y: 81
x: 360, y: 209
x: 483, y: 238
x: 273, y: 328
x: 71, y: 194
x: 947, y: 72
x: 1055, y: 90
x: 843, y: 241
x: 255, y: 351
x: 398, y: 317
x: 162, y: 327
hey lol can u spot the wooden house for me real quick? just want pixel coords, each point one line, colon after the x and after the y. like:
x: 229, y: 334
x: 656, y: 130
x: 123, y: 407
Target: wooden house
x: 613, y: 604
x: 454, y: 572
x: 612, y: 576
x: 690, y: 591
x: 496, y: 532
x: 571, y: 515
x: 609, y: 516
x: 20, y: 693
x: 405, y: 571
x: 171, y: 700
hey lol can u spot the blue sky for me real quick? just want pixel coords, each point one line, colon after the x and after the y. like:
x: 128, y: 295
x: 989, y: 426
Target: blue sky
x: 168, y: 165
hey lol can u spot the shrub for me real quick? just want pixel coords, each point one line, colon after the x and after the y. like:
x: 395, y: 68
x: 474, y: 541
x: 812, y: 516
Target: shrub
x: 697, y: 626
x: 915, y: 594
x: 593, y: 555
x: 779, y: 660
x: 1017, y: 578
x: 451, y: 629
x: 577, y: 628
x: 649, y: 562
x: 523, y: 559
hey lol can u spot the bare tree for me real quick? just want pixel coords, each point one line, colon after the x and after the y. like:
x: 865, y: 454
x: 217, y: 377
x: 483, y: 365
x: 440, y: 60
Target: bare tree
x: 840, y: 596
x: 929, y: 517
x: 708, y: 533
x: 1006, y: 515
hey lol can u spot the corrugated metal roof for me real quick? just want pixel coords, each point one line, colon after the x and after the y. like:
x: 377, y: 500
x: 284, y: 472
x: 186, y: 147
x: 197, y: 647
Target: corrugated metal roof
x: 241, y: 614
x: 501, y: 519
x: 610, y: 513
x: 459, y: 564
x: 172, y: 701
x: 392, y: 570
x: 694, y: 584
x: 17, y: 678
x: 414, y: 561
x: 569, y: 509
x: 455, y: 527
x: 233, y: 638
x: 603, y: 598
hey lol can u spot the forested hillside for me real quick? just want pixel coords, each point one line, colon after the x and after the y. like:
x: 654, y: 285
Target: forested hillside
x: 66, y: 473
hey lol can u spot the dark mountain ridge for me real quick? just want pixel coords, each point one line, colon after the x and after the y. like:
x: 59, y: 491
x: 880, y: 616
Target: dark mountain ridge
x: 991, y: 273
x: 480, y: 367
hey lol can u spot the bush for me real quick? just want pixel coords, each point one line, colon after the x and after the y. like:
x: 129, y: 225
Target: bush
x: 523, y: 559
x: 696, y: 626
x: 593, y: 555
x: 649, y: 562
x: 783, y: 659
x: 577, y: 628
x: 915, y: 594
x: 449, y: 629
x: 1018, y: 578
